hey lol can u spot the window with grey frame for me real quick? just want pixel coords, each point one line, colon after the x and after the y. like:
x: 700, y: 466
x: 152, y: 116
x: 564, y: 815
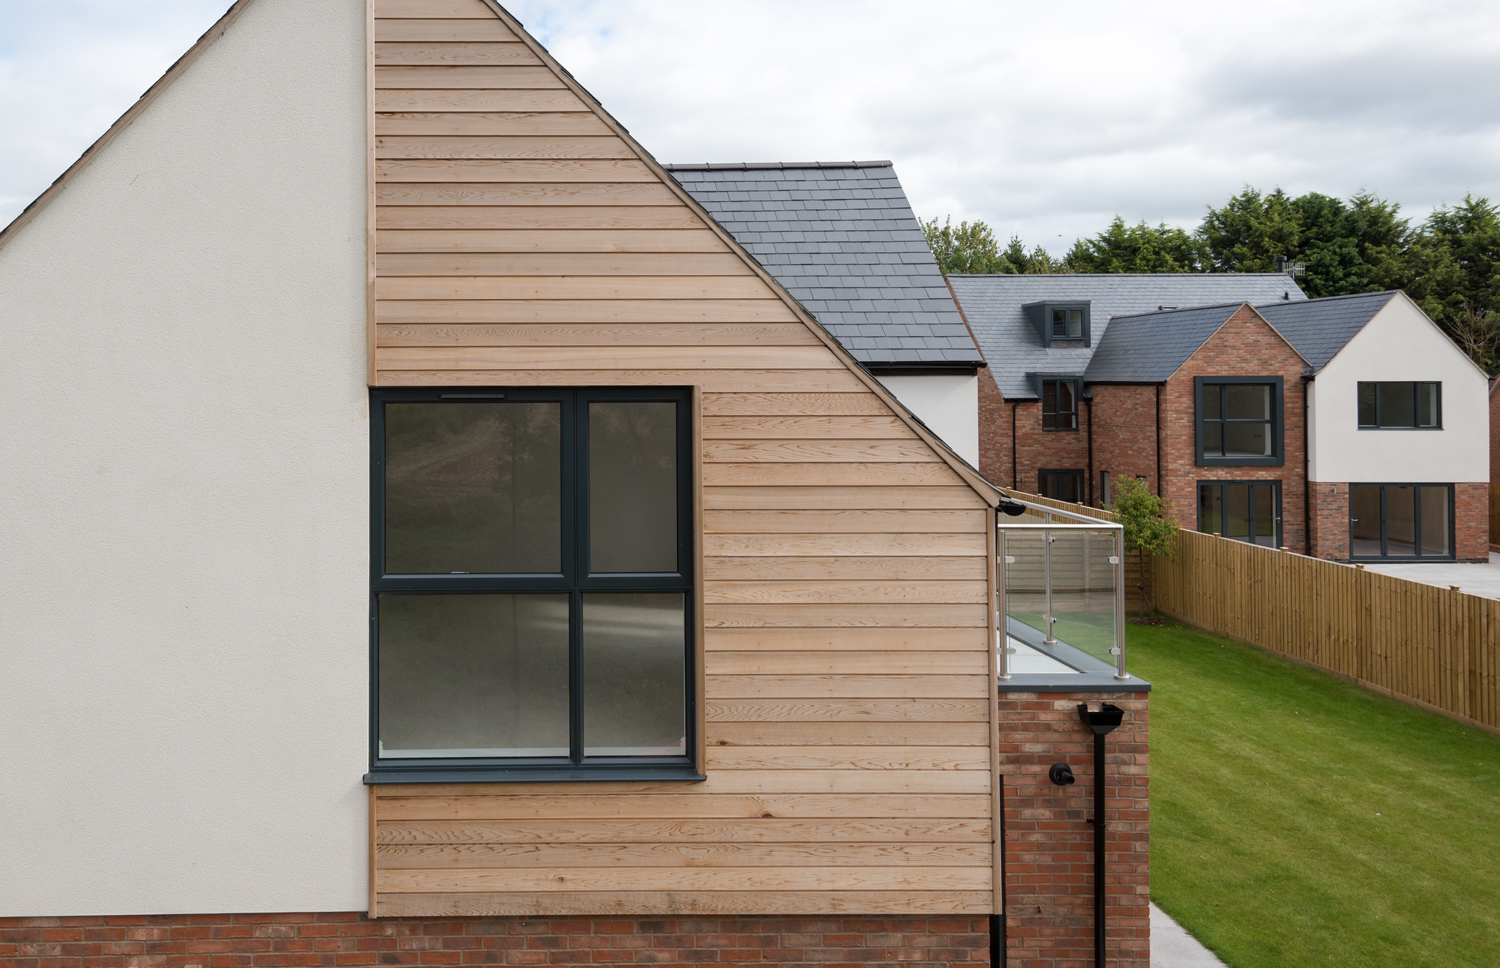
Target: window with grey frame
x: 1239, y: 421
x: 531, y: 584
x: 1067, y: 323
x: 1248, y: 511
x: 1061, y: 485
x: 1059, y: 405
x: 1400, y: 406
x: 1401, y: 521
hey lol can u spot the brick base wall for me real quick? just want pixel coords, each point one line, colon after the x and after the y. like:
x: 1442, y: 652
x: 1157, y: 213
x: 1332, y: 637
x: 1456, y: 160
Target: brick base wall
x: 1330, y: 521
x: 1329, y: 513
x: 350, y: 939
x: 1471, y: 521
x: 1049, y: 856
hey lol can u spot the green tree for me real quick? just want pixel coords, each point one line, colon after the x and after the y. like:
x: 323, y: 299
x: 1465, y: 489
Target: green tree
x: 971, y: 247
x: 1137, y: 248
x: 1249, y: 232
x: 1150, y: 526
x: 967, y: 247
x: 1455, y: 263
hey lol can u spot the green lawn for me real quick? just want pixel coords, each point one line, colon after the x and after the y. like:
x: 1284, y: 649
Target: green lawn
x: 1298, y: 820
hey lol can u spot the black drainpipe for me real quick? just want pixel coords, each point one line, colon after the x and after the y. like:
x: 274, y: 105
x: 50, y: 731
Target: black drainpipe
x: 1307, y: 547
x: 1102, y: 723
x: 997, y: 921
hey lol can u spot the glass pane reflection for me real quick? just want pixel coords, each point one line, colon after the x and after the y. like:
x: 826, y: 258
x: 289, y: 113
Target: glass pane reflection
x: 634, y: 674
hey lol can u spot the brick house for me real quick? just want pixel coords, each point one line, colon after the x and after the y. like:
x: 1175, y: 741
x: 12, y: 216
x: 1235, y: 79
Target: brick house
x: 1035, y: 423
x: 432, y: 538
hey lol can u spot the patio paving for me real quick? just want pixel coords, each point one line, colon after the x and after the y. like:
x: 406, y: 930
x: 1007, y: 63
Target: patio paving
x: 1474, y: 579
x: 1172, y: 947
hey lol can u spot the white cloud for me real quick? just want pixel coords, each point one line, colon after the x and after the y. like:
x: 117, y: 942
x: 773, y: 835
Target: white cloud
x: 1043, y: 119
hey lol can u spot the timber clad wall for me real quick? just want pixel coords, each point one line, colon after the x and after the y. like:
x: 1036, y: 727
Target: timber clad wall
x: 847, y: 698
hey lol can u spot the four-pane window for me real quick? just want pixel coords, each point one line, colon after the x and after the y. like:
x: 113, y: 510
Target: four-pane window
x: 1067, y: 324
x: 531, y: 583
x: 1059, y: 405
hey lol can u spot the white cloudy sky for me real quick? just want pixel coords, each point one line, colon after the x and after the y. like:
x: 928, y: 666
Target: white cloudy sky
x: 1043, y: 119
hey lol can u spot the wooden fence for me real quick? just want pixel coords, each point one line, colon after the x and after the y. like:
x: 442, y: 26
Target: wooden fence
x: 1422, y: 643
x: 1431, y: 646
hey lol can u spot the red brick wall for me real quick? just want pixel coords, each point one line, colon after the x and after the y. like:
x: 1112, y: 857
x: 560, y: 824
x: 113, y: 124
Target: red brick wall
x: 994, y: 431
x: 1049, y: 855
x: 1330, y: 520
x: 1125, y: 433
x: 1471, y: 521
x: 351, y: 939
x: 1244, y: 346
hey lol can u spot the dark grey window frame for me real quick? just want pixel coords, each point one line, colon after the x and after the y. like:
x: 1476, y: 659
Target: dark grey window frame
x: 1278, y: 437
x: 571, y: 580
x: 1277, y: 490
x: 1452, y: 554
x: 1061, y: 472
x: 1416, y: 405
x: 1040, y: 315
x: 1042, y: 382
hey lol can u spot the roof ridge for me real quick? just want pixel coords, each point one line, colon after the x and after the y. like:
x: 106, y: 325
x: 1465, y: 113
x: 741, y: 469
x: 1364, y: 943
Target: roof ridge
x: 1322, y: 299
x: 775, y: 165
x: 1187, y: 309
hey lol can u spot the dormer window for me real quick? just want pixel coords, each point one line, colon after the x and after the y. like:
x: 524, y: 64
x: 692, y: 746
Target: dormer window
x: 1064, y: 320
x: 1067, y: 323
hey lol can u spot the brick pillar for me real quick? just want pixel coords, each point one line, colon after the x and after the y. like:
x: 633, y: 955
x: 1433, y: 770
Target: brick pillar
x: 1049, y: 877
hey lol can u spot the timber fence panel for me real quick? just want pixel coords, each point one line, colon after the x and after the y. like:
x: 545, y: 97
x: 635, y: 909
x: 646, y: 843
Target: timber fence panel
x: 1430, y: 645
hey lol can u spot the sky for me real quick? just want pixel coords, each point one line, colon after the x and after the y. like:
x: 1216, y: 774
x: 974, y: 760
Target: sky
x: 1045, y: 120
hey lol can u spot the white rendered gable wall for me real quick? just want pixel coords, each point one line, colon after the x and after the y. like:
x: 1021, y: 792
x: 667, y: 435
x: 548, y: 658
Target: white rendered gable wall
x: 948, y: 405
x: 185, y: 476
x: 1400, y: 343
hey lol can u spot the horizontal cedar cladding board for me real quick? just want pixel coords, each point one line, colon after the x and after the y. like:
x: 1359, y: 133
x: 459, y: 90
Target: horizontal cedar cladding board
x: 565, y: 193
x: 676, y: 854
x: 520, y: 146
x: 799, y: 404
x: 860, y: 451
x: 598, y: 334
x: 849, y: 686
x: 428, y: 29
x: 847, y: 639
x: 461, y: 170
x: 569, y: 358
x: 830, y: 545
x: 586, y: 804
x: 849, y: 710
x: 465, y: 78
x: 571, y: 287
x: 588, y: 311
x: 469, y: 9
x: 844, y: 592
x: 489, y: 123
x: 945, y: 520
x: 551, y: 241
x: 685, y: 879
x: 856, y: 616
x: 836, y: 569
x: 686, y: 903
x: 866, y: 758
x: 842, y: 427
x: 971, y: 663
x: 531, y: 99
x: 842, y: 475
x: 450, y: 54
x: 848, y: 734
x: 513, y: 217
x: 811, y: 498
x: 754, y: 830
x: 482, y: 375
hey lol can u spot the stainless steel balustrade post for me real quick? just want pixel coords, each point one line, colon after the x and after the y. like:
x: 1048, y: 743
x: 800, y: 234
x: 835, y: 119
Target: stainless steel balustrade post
x: 1120, y: 672
x: 1048, y: 620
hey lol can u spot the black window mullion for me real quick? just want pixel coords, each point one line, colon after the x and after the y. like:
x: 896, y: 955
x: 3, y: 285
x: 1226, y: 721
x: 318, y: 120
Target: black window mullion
x: 575, y: 676
x: 1384, y: 550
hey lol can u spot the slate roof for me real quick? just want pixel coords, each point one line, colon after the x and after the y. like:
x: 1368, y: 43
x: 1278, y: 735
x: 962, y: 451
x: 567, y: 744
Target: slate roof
x: 992, y: 304
x: 842, y: 239
x: 1149, y: 347
x: 1319, y: 328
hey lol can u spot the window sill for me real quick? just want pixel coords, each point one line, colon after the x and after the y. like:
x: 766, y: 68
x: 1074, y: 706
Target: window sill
x: 563, y: 774
x: 1241, y: 462
x: 1372, y: 427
